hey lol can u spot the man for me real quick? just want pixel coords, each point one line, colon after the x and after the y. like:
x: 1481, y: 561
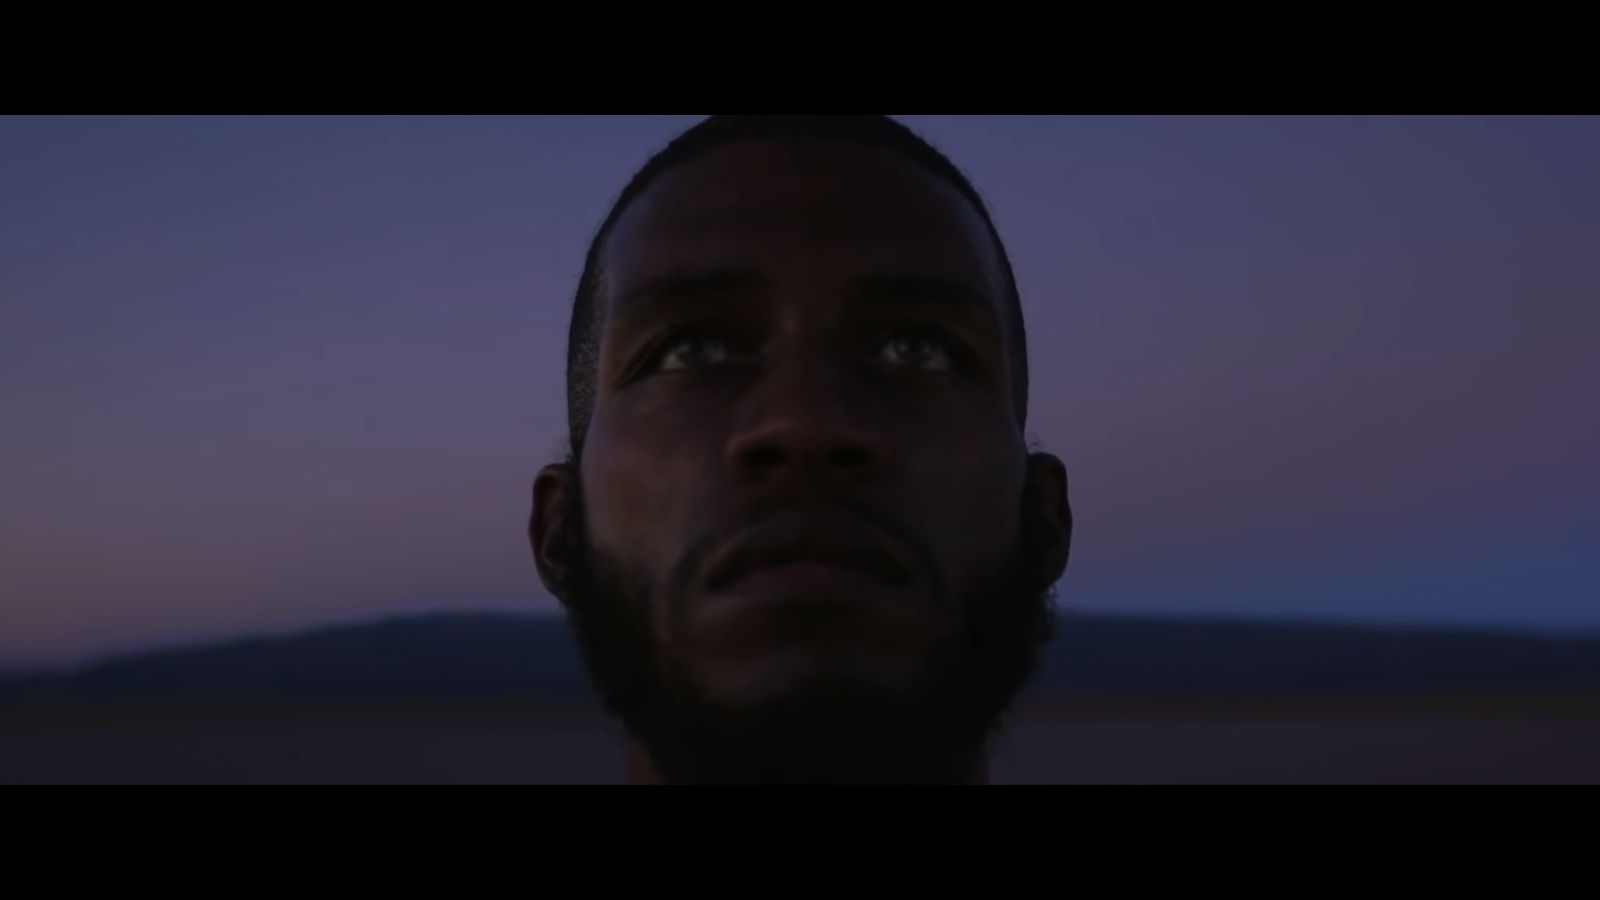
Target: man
x: 800, y: 537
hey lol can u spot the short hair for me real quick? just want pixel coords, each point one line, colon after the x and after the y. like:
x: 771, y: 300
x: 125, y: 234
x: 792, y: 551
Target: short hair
x: 583, y: 338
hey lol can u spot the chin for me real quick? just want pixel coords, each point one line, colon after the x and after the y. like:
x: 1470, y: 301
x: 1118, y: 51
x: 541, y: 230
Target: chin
x: 776, y: 674
x: 747, y: 654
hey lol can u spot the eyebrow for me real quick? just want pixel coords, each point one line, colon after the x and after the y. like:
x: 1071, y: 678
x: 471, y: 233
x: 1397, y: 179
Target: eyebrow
x: 935, y: 293
x: 676, y: 287
x: 945, y: 294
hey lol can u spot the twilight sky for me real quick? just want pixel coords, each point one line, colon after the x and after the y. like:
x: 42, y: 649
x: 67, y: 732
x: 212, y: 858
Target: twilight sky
x: 263, y: 373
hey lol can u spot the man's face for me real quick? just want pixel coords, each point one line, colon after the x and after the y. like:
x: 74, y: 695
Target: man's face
x: 804, y: 509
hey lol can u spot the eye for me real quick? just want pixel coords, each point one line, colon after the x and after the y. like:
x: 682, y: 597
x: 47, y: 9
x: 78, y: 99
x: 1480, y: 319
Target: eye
x: 921, y: 349
x: 688, y: 349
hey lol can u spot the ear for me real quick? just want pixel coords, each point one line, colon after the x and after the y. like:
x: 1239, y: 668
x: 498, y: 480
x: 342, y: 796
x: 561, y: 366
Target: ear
x: 551, y: 532
x: 1048, y: 490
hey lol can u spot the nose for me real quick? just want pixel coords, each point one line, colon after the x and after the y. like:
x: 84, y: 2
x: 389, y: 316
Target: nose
x: 808, y: 417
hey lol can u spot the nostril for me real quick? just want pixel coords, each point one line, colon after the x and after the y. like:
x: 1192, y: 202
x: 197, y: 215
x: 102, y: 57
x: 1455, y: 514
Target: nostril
x: 765, y: 456
x: 849, y: 457
x: 804, y: 448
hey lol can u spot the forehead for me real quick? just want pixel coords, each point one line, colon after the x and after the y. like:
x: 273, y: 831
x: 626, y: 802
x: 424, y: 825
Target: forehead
x: 818, y: 209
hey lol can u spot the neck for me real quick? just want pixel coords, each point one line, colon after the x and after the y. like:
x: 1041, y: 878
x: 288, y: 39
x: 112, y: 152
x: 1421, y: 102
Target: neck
x: 641, y: 770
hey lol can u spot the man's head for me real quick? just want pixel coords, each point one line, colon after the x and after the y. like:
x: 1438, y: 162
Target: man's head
x: 800, y: 535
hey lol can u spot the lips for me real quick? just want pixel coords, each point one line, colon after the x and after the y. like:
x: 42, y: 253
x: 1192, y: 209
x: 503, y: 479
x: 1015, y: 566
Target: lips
x: 807, y: 542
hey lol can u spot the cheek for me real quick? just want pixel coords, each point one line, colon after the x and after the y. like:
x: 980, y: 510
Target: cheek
x: 640, y: 481
x: 968, y: 496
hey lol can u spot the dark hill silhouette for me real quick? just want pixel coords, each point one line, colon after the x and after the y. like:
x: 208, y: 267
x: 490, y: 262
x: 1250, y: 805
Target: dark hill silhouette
x: 501, y: 657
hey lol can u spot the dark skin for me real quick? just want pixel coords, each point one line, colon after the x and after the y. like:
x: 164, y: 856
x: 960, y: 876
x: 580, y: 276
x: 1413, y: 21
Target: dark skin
x: 848, y: 372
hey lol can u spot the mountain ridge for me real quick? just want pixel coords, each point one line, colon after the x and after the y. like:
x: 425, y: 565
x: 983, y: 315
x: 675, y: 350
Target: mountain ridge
x: 503, y: 656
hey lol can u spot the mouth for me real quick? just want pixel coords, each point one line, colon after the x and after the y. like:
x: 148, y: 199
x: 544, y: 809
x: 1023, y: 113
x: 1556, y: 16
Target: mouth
x: 810, y: 550
x: 803, y: 595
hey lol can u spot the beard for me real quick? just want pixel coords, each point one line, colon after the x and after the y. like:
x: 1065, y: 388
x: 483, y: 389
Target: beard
x: 823, y: 731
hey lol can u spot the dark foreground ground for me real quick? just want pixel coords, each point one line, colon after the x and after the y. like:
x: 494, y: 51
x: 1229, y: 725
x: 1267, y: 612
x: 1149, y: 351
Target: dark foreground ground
x: 1387, y: 741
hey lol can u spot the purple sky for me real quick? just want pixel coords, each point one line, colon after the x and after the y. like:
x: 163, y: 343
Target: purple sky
x: 266, y: 373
